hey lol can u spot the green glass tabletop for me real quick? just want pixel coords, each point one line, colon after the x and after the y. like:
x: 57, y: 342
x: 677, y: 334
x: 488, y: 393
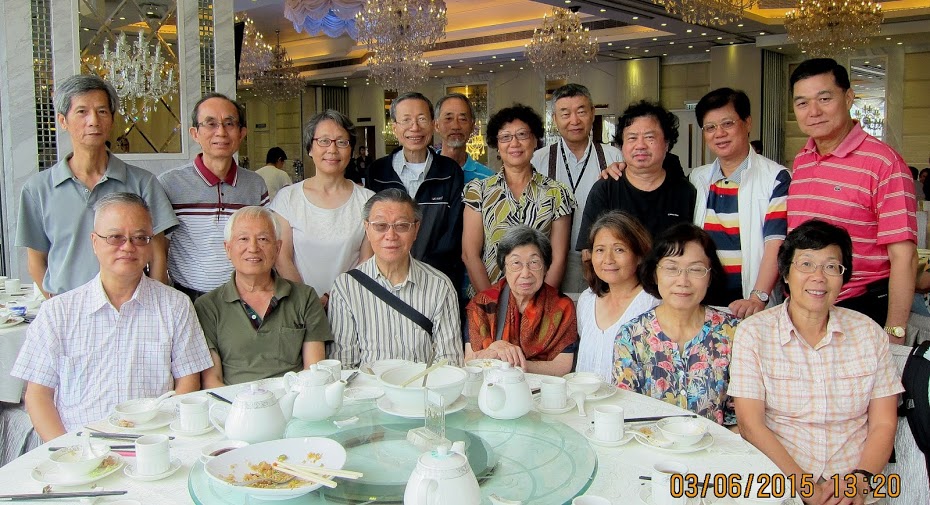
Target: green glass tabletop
x: 534, y: 459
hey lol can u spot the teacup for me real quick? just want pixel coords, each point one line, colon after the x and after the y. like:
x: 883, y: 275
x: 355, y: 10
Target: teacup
x: 192, y: 413
x: 333, y: 365
x: 473, y: 381
x: 553, y: 393
x: 12, y: 286
x: 608, y: 423
x: 682, y: 430
x: 152, y: 455
x: 662, y: 482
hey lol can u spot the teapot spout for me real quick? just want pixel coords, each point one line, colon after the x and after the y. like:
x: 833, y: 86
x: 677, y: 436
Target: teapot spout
x: 496, y: 397
x: 334, y: 393
x: 287, y: 405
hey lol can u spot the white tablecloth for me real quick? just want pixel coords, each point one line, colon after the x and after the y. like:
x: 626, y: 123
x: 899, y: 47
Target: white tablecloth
x: 11, y: 340
x: 617, y: 474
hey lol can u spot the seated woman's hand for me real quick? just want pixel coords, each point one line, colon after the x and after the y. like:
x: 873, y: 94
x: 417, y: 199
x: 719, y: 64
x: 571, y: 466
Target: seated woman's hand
x: 509, y: 352
x: 744, y: 308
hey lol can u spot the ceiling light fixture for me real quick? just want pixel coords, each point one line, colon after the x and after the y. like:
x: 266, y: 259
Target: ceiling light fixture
x: 558, y: 48
x: 141, y: 79
x: 707, y: 12
x: 281, y: 81
x: 833, y: 27
x: 255, y: 56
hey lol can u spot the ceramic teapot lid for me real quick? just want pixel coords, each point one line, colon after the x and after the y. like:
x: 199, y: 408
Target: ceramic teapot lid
x: 256, y: 397
x: 442, y: 458
x: 316, y: 376
x: 505, y: 374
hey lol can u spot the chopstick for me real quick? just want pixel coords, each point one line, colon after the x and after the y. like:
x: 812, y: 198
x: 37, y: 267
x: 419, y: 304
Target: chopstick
x: 56, y: 496
x: 117, y: 436
x: 308, y: 476
x: 218, y: 397
x: 112, y: 447
x: 322, y: 470
x: 655, y: 418
x: 425, y: 372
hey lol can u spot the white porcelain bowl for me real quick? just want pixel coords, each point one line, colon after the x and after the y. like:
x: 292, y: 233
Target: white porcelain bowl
x: 383, y: 365
x: 215, y: 449
x: 228, y: 470
x: 586, y: 382
x: 682, y: 430
x: 71, y: 460
x: 449, y: 381
x: 138, y: 411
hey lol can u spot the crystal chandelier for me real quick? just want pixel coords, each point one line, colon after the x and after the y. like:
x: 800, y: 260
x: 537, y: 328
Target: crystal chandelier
x: 255, y: 56
x: 707, y: 12
x: 140, y: 78
x: 831, y: 27
x: 870, y: 117
x: 281, y: 82
x: 561, y: 46
x: 476, y: 146
x: 397, y: 33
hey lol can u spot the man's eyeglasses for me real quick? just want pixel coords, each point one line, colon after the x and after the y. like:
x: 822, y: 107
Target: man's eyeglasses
x: 515, y: 266
x: 407, y: 122
x: 694, y: 271
x: 213, y: 125
x: 505, y: 138
x: 400, y: 227
x: 325, y: 142
x: 809, y: 267
x: 118, y: 240
x: 726, y: 124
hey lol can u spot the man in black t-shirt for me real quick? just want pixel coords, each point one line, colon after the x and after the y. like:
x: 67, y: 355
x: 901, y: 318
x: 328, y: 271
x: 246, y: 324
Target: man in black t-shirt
x: 658, y: 199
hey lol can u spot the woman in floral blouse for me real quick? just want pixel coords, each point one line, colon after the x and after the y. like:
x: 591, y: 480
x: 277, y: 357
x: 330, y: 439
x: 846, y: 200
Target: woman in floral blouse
x: 679, y: 352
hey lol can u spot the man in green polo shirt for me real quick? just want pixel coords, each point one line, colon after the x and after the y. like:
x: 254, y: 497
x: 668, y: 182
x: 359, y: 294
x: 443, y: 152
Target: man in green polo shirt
x: 259, y: 325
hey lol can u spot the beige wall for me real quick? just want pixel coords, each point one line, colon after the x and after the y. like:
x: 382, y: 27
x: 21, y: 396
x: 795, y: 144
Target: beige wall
x: 684, y: 82
x: 916, y: 117
x: 739, y: 67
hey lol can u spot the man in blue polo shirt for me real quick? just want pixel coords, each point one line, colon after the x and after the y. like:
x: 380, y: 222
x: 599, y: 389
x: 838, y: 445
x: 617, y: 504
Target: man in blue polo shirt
x: 55, y: 207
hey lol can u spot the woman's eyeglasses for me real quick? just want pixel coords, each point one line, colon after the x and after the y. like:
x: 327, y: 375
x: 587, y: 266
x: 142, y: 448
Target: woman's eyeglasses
x: 325, y: 142
x: 694, y: 271
x: 809, y: 267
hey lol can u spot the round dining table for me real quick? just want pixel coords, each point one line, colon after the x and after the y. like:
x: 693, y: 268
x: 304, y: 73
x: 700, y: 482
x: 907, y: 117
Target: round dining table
x: 612, y: 472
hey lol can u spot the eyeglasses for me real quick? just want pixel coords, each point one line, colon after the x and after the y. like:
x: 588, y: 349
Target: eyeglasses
x: 809, y: 267
x: 505, y: 138
x: 213, y: 125
x: 694, y: 271
x: 400, y: 227
x: 517, y: 265
x: 726, y: 124
x: 118, y: 240
x: 407, y: 122
x: 324, y: 142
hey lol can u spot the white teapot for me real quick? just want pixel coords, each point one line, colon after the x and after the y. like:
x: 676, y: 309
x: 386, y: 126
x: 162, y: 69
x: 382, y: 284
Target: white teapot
x: 505, y: 393
x: 443, y: 477
x: 313, y: 394
x: 255, y: 416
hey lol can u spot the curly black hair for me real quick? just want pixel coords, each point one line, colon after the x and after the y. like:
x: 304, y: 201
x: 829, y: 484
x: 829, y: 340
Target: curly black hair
x: 667, y: 120
x: 517, y: 111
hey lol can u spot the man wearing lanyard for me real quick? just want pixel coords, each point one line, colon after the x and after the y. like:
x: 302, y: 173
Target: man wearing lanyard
x: 569, y: 161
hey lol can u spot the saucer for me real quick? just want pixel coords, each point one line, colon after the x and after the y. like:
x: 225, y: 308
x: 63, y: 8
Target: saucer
x: 645, y: 496
x: 130, y: 472
x: 569, y: 405
x: 655, y: 440
x: 605, y: 391
x: 589, y: 434
x: 48, y: 472
x: 362, y: 393
x: 13, y: 321
x: 387, y: 407
x: 162, y: 419
x: 175, y: 426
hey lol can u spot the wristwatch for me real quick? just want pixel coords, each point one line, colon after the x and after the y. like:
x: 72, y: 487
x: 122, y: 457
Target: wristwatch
x: 761, y: 295
x: 895, y: 331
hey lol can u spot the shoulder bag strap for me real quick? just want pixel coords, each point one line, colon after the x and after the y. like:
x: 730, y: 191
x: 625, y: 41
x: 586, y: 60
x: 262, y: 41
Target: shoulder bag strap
x: 553, y: 160
x: 391, y: 299
x: 601, y: 159
x: 502, y: 301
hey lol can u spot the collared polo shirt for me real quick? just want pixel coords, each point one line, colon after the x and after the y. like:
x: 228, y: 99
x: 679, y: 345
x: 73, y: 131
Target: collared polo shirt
x: 276, y: 346
x: 863, y: 186
x: 56, y: 216
x: 473, y: 169
x: 203, y: 204
x: 816, y: 398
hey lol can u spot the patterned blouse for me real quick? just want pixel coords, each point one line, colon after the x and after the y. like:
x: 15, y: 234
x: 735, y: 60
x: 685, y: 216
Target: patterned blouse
x: 694, y: 378
x: 543, y: 201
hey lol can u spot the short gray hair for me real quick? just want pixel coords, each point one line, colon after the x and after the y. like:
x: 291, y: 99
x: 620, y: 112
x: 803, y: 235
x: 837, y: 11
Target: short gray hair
x: 252, y: 211
x: 240, y: 109
x: 78, y: 85
x: 471, y: 108
x: 329, y: 115
x: 569, y: 90
x: 522, y: 235
x: 392, y: 195
x: 114, y: 199
x: 410, y: 95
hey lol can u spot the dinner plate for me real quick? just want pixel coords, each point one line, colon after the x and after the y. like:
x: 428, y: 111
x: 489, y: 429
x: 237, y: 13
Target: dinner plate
x: 130, y: 472
x: 175, y: 426
x: 162, y: 419
x: 387, y: 407
x: 645, y: 496
x: 13, y: 321
x: 658, y: 442
x: 589, y: 434
x: 48, y: 472
x: 569, y: 405
x: 363, y: 393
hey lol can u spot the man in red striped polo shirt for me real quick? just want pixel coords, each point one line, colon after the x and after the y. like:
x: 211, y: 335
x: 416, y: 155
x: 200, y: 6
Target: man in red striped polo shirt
x: 851, y: 179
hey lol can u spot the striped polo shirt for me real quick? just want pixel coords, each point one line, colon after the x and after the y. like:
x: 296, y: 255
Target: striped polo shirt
x: 863, y: 186
x: 203, y: 204
x: 722, y: 220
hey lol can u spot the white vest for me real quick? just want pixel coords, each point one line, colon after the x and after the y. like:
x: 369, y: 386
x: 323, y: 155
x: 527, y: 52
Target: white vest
x: 755, y: 190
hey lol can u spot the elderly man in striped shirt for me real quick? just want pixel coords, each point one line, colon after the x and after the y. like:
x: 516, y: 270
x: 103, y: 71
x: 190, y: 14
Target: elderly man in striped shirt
x: 365, y: 326
x: 849, y: 178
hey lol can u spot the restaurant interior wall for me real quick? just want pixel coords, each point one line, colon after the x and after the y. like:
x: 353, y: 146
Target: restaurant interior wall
x: 916, y: 104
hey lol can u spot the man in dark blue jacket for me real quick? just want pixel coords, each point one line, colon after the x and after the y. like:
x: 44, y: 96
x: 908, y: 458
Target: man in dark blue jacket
x: 434, y: 181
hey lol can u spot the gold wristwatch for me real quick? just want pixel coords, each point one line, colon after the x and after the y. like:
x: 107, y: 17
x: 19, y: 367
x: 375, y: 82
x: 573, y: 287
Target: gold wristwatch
x: 895, y: 331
